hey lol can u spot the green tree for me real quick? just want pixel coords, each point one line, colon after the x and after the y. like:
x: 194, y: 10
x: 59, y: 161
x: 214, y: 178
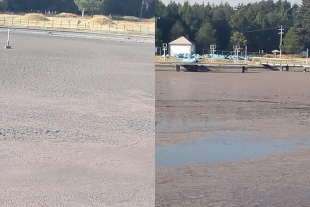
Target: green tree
x: 205, y: 36
x: 303, y: 20
x: 91, y: 6
x: 292, y: 41
x: 177, y: 30
x: 158, y: 37
x: 238, y: 39
x: 3, y: 5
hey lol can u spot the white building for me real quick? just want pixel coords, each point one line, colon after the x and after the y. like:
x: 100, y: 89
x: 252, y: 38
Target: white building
x: 181, y: 46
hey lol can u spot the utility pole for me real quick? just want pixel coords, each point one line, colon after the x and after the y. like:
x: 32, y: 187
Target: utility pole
x: 281, y: 39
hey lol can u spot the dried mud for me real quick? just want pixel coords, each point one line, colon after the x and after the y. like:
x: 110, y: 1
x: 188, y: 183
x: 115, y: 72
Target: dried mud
x: 197, y: 105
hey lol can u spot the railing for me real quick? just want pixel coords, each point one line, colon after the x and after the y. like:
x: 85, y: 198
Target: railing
x: 278, y: 61
x: 159, y: 59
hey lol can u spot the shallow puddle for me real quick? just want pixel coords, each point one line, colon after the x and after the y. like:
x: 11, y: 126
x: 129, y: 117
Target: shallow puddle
x: 225, y: 148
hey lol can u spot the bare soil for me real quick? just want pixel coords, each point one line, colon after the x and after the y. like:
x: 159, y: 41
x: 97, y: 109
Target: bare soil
x: 195, y: 105
x: 76, y: 122
x: 87, y: 24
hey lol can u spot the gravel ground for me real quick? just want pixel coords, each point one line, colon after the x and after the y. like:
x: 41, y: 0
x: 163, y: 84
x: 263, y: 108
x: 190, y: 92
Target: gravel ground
x: 197, y: 105
x: 139, y: 39
x: 76, y: 122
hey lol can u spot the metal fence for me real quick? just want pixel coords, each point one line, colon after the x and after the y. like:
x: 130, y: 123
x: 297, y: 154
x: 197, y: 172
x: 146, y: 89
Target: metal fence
x: 119, y: 27
x: 160, y: 51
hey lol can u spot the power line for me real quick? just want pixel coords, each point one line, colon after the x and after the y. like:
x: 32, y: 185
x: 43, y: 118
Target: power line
x: 259, y: 30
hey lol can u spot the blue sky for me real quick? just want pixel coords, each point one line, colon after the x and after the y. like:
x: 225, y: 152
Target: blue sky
x: 231, y: 2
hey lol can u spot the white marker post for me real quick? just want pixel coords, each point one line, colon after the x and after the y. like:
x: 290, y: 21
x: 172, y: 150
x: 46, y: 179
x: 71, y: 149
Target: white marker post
x: 307, y: 56
x: 212, y: 48
x: 8, y: 46
x: 236, y: 49
x: 165, y: 48
x: 245, y: 54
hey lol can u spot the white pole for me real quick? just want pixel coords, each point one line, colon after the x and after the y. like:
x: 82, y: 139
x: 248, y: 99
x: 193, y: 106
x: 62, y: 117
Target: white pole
x: 8, y: 37
x: 307, y: 56
x: 245, y: 55
x: 164, y: 54
x: 7, y: 46
x: 237, y: 55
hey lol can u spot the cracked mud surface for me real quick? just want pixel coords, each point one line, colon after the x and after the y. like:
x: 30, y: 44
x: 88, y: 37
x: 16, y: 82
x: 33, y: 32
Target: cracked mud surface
x: 197, y: 105
x: 76, y: 123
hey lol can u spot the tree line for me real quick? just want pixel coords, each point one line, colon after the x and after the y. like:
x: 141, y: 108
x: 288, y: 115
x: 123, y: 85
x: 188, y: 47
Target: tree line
x: 255, y: 25
x: 119, y: 7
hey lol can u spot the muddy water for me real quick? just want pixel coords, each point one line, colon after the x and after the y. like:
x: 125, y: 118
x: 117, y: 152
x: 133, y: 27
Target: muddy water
x: 225, y: 148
